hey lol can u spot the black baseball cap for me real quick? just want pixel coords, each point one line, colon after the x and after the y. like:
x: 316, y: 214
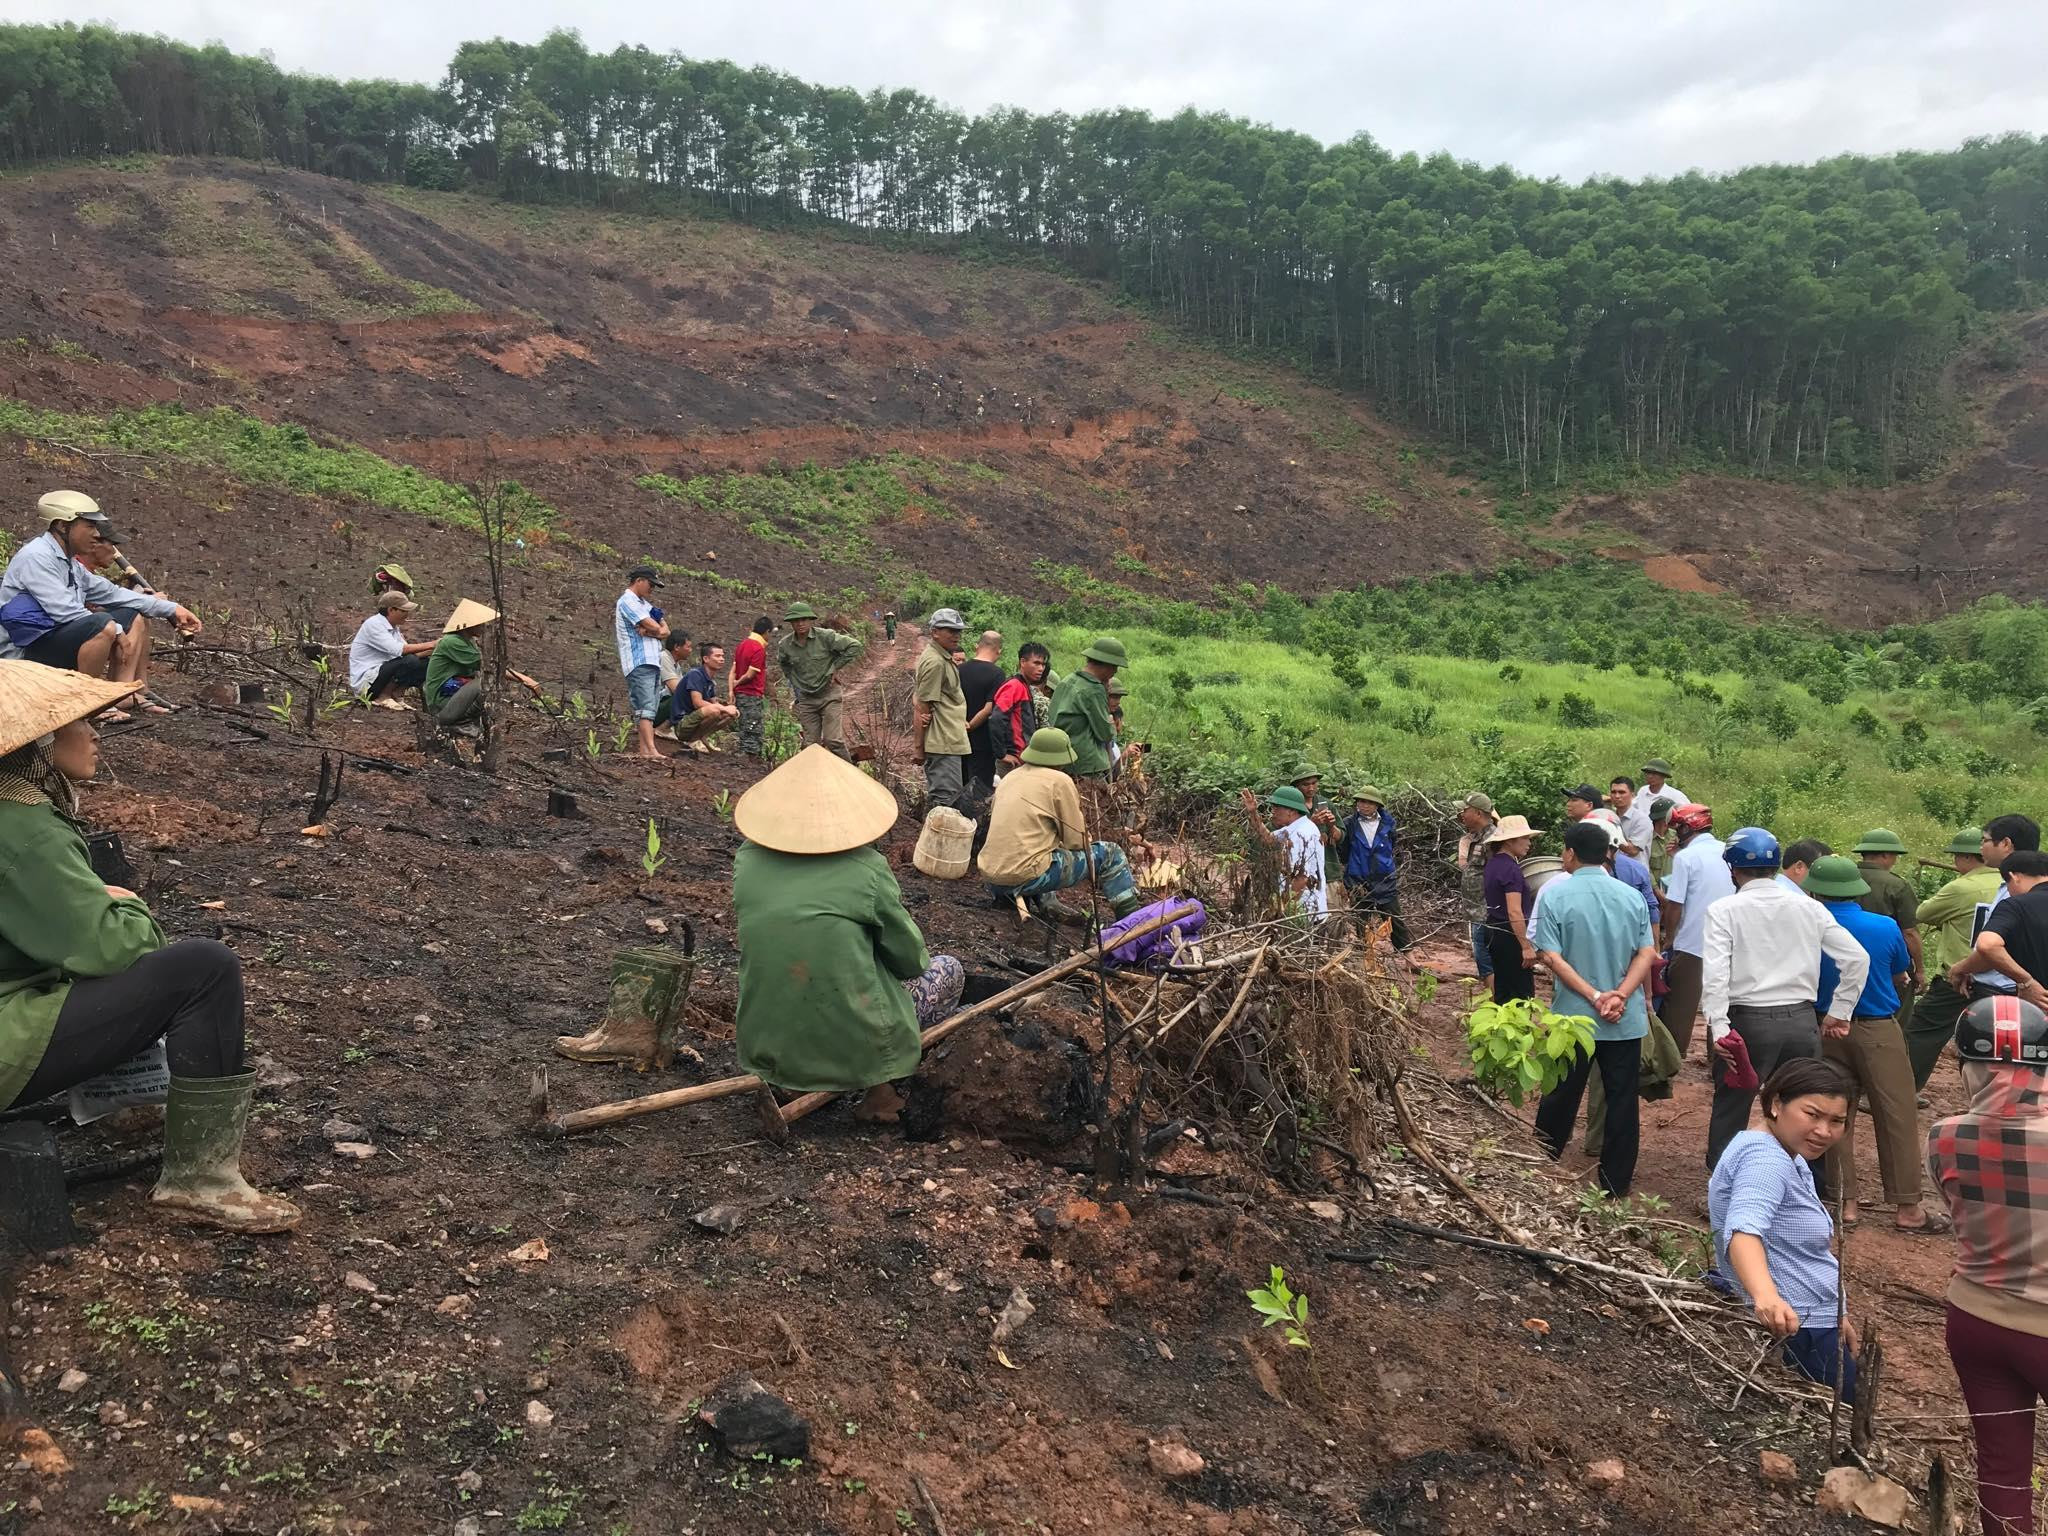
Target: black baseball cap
x: 647, y: 571
x: 1585, y: 792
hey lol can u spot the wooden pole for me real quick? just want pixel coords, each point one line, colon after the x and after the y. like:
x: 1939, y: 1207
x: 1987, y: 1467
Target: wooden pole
x: 700, y: 1093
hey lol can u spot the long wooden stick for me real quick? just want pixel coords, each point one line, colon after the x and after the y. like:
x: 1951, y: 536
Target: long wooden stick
x: 811, y: 1103
x: 699, y: 1093
x: 1251, y: 974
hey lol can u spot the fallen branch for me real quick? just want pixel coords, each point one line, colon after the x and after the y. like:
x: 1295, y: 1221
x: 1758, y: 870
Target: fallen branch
x: 1236, y: 1007
x: 1418, y: 1143
x: 1518, y: 1250
x: 931, y: 1505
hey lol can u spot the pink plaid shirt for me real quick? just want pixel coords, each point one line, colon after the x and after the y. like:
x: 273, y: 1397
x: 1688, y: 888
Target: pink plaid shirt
x: 1991, y: 1164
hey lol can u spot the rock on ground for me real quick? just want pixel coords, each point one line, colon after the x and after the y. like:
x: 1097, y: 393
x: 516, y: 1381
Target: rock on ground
x: 749, y: 1420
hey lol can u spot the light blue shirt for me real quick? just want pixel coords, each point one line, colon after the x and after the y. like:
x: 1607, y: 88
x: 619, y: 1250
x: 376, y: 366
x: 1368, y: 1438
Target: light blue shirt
x: 1597, y: 924
x: 1760, y: 1188
x: 66, y: 589
x: 635, y: 649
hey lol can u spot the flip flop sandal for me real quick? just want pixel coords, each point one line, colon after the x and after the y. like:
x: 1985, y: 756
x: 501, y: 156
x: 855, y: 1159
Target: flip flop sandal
x: 1933, y: 1226
x: 157, y: 704
x: 112, y: 717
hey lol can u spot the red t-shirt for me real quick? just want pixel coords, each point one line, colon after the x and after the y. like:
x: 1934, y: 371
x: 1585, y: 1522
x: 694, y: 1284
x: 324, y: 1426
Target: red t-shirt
x: 752, y: 652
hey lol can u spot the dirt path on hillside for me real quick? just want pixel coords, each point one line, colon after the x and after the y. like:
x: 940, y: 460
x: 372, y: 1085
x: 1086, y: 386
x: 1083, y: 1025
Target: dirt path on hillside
x: 1896, y: 1279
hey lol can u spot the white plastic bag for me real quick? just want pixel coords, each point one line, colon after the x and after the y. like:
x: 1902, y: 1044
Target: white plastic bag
x: 144, y: 1078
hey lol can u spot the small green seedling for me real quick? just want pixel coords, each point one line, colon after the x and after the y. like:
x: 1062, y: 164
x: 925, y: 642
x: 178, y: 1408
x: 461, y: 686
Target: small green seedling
x: 652, y: 860
x: 1278, y: 1304
x: 590, y: 745
x: 722, y: 804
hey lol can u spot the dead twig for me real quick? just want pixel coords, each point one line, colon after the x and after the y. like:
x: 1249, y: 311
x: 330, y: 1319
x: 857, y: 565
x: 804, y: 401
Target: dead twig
x: 931, y: 1505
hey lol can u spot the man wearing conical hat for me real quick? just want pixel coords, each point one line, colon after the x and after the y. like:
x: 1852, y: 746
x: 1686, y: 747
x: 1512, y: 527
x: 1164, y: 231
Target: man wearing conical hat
x: 454, y: 686
x: 55, y: 608
x: 86, y: 979
x: 1038, y: 839
x: 810, y: 658
x: 835, y: 979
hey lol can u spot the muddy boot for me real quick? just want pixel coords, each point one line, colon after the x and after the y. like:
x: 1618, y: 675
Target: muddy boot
x: 1123, y: 906
x: 1051, y: 909
x: 639, y: 1026
x: 204, y: 1118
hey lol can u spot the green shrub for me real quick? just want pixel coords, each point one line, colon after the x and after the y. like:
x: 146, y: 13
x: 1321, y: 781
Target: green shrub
x: 1576, y: 712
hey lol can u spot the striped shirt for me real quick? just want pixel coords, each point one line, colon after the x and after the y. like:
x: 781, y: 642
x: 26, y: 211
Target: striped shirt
x: 1760, y: 1188
x: 635, y: 649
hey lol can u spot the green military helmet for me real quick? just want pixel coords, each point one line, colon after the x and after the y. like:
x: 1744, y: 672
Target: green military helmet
x: 1109, y: 651
x: 1657, y: 765
x: 1879, y: 840
x: 1836, y: 878
x: 1970, y: 840
x: 1116, y: 688
x: 1369, y: 792
x: 798, y: 610
x: 1289, y: 798
x: 1050, y: 747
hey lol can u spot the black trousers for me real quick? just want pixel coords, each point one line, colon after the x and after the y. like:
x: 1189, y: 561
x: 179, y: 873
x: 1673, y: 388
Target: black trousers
x: 1379, y: 899
x: 1511, y: 978
x: 188, y: 993
x: 1621, y: 1068
x: 399, y: 672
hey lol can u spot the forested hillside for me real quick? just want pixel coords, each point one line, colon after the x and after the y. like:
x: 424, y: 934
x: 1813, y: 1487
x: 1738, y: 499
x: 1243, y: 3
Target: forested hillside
x: 1780, y: 320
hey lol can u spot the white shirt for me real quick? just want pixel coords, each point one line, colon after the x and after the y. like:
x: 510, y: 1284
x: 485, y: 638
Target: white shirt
x: 1646, y: 796
x: 1301, y: 849
x: 1763, y: 948
x: 635, y: 649
x: 377, y: 641
x: 1635, y: 824
x: 1699, y: 878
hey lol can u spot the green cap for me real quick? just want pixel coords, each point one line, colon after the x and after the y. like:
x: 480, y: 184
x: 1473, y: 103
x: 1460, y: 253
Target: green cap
x: 1969, y: 840
x: 1836, y: 878
x: 1289, y: 798
x: 1116, y: 688
x: 1050, y: 748
x: 1109, y: 651
x: 798, y: 611
x: 1367, y: 792
x: 1879, y: 840
x: 1657, y: 765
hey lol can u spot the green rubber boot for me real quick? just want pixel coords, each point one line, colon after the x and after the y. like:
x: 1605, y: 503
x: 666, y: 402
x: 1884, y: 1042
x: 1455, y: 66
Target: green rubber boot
x: 1125, y: 905
x: 1051, y: 909
x: 204, y: 1119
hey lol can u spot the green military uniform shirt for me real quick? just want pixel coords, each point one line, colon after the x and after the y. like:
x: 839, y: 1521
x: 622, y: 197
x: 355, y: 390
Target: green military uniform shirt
x: 1080, y: 707
x: 938, y: 685
x: 825, y: 947
x: 57, y: 925
x: 1890, y: 894
x: 1947, y: 916
x: 809, y: 664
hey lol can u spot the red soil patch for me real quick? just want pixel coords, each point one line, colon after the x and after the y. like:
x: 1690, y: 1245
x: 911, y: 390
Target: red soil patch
x: 1678, y: 574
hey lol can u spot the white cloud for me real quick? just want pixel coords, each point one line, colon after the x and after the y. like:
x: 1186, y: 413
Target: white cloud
x: 1563, y: 87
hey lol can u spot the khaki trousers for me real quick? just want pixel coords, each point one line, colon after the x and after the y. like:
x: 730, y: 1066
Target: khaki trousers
x: 1874, y: 1054
x: 1684, y: 979
x: 819, y: 717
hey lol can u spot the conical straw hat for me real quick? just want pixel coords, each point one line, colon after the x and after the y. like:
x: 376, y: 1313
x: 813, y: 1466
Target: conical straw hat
x: 815, y: 803
x: 35, y: 700
x: 467, y: 615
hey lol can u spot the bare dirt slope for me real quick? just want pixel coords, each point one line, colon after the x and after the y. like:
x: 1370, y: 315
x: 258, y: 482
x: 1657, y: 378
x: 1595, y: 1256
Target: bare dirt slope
x: 578, y: 352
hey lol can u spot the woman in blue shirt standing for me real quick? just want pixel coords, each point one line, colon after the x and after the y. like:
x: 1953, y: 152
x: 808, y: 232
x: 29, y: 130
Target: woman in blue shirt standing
x: 1771, y: 1231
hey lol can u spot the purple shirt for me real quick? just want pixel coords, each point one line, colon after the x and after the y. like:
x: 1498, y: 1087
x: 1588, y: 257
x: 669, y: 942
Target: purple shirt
x: 1504, y: 874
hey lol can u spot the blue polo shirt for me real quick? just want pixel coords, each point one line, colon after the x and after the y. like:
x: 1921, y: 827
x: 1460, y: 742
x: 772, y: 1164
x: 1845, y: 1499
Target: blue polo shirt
x: 1597, y: 924
x: 1885, y: 944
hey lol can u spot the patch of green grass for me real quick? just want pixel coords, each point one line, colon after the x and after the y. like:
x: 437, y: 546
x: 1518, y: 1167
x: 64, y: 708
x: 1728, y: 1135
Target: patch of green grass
x: 827, y: 511
x: 261, y: 454
x: 96, y: 213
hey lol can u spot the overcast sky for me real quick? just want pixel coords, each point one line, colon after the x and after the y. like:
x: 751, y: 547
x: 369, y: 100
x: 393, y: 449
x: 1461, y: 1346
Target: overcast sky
x: 1556, y: 87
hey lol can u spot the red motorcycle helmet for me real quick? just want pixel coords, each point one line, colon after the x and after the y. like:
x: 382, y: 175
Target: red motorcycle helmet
x: 1692, y: 818
x: 2002, y: 1028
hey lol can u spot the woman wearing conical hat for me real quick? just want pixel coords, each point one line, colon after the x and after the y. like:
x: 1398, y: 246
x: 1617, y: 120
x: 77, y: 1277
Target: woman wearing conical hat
x: 454, y: 686
x: 835, y: 979
x: 86, y: 979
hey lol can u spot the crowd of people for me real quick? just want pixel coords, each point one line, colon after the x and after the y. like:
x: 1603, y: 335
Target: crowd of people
x: 1826, y: 985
